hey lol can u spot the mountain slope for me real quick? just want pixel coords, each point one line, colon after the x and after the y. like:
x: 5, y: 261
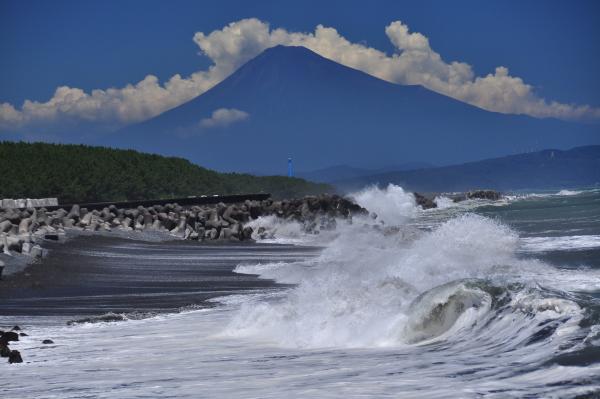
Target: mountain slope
x: 75, y: 173
x: 548, y: 169
x: 321, y: 113
x: 344, y: 172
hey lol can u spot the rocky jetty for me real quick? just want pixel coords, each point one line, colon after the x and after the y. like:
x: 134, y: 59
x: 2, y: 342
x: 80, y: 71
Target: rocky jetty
x: 22, y: 230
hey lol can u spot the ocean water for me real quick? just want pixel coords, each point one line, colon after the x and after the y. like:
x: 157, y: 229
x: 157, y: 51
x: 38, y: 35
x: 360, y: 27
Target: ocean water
x: 477, y: 299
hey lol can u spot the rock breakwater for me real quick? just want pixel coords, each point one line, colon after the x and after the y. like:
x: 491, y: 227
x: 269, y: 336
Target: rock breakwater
x: 22, y: 231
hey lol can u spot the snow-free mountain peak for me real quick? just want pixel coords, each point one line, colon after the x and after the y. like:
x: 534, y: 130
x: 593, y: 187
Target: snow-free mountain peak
x: 292, y: 102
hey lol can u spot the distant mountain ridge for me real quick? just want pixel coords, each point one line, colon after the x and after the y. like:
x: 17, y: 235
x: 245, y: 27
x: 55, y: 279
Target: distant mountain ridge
x: 548, y: 169
x: 344, y: 172
x: 298, y: 104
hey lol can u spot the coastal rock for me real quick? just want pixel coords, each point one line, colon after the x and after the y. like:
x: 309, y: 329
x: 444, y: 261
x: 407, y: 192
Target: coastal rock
x: 156, y: 225
x: 20, y: 230
x: 139, y: 223
x: 254, y: 208
x: 5, y: 226
x: 36, y: 251
x: 212, y: 234
x: 24, y: 225
x: 167, y: 222
x: 225, y: 234
x: 235, y: 229
x: 213, y: 220
x: 13, y: 243
x: 26, y: 248
x: 15, y: 357
x: 4, y: 243
x: 246, y: 233
x: 93, y: 226
x: 424, y: 202
x: 484, y: 194
x: 262, y: 233
x: 126, y: 223
x: 86, y: 219
x: 147, y: 219
x: 51, y: 236
x: 13, y: 216
x: 10, y: 336
x: 74, y: 213
x: 228, y: 212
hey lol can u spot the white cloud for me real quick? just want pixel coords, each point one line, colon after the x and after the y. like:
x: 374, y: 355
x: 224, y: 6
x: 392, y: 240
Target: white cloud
x: 224, y: 117
x: 414, y: 62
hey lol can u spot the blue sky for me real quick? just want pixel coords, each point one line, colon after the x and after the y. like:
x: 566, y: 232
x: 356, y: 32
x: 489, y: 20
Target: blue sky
x: 550, y: 45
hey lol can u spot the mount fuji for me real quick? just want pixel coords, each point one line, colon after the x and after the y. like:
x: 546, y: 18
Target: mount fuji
x: 291, y: 102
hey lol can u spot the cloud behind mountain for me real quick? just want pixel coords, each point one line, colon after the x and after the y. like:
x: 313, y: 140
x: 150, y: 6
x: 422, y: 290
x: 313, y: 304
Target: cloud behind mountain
x: 414, y: 61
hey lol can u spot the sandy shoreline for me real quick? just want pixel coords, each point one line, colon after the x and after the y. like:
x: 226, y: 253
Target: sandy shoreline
x: 93, y: 275
x: 17, y: 262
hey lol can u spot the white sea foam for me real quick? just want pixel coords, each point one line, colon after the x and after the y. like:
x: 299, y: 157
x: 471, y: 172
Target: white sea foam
x: 561, y: 243
x: 392, y: 204
x: 180, y: 355
x: 569, y: 192
x: 361, y: 291
x: 561, y: 193
x: 443, y: 202
x: 372, y: 289
x: 278, y: 231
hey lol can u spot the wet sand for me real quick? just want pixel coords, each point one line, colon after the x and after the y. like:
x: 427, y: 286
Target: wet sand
x: 95, y: 275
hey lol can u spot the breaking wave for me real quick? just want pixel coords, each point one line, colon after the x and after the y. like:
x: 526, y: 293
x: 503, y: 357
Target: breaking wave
x: 443, y: 202
x: 392, y: 205
x: 460, y: 289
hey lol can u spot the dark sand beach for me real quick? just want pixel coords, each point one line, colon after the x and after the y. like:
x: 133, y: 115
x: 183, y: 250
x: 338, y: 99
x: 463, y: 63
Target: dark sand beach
x: 96, y: 275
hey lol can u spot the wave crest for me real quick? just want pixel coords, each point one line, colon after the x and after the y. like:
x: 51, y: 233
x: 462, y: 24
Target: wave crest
x: 360, y: 291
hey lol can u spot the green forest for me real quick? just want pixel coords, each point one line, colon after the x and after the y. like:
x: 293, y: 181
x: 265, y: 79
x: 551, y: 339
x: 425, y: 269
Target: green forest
x: 80, y: 173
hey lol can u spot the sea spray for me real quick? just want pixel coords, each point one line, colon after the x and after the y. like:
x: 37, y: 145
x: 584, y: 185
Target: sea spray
x: 359, y: 291
x: 444, y: 202
x: 392, y: 204
x: 378, y: 287
x: 274, y: 229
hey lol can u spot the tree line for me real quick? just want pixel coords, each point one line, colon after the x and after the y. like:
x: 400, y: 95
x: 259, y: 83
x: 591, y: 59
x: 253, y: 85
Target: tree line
x: 81, y: 173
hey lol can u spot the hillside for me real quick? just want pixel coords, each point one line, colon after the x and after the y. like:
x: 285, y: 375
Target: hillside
x: 344, y: 172
x: 291, y: 102
x: 548, y: 169
x: 78, y: 173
